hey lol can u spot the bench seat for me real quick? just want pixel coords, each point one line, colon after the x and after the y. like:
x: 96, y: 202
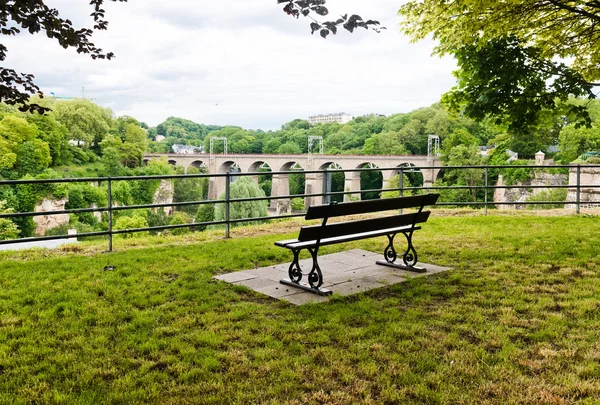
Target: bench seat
x: 296, y: 244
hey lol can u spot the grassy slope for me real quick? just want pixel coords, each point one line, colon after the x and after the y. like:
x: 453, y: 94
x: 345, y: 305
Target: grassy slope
x: 517, y: 321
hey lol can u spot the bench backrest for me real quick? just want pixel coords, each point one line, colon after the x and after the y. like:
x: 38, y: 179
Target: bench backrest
x: 317, y: 232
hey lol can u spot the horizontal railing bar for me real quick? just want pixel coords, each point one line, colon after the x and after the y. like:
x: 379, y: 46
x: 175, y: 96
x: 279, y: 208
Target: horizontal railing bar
x: 166, y: 205
x: 50, y: 238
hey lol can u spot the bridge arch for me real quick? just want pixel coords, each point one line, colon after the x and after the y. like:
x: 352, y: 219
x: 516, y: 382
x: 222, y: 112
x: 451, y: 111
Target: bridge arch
x: 198, y: 164
x: 415, y: 176
x: 172, y: 162
x: 229, y: 167
x: 371, y: 180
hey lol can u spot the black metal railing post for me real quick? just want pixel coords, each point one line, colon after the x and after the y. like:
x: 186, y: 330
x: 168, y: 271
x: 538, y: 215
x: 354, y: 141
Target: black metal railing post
x: 110, y: 227
x: 401, y: 182
x: 485, y: 201
x: 578, y: 197
x: 227, y: 205
x: 326, y: 181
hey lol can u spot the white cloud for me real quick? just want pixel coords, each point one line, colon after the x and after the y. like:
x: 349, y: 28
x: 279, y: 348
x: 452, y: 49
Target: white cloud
x: 262, y: 67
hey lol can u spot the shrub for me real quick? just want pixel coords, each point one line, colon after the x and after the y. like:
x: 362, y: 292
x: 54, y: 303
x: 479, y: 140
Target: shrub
x: 555, y: 195
x: 593, y: 161
x: 133, y: 222
x: 297, y: 204
x: 179, y: 218
x: 206, y: 213
x: 245, y: 187
x: 8, y: 230
x: 394, y: 182
x: 158, y: 218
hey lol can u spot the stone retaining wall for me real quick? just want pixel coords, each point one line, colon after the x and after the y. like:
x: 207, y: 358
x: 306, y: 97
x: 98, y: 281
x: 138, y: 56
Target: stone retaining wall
x: 519, y: 195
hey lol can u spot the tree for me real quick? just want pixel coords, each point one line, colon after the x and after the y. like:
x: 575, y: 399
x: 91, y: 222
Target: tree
x: 19, y: 147
x: 87, y: 122
x: 575, y: 141
x: 54, y: 133
x: 296, y: 8
x: 464, y: 155
x: 513, y: 41
x: 36, y: 16
x: 512, y: 82
x: 245, y: 187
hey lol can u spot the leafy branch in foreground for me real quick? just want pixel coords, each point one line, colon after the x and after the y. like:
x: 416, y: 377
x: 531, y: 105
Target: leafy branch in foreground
x: 35, y: 16
x: 514, y: 83
x: 295, y: 8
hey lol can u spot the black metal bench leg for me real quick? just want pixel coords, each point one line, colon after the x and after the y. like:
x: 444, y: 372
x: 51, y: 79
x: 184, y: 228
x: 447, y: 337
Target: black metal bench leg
x: 409, y: 257
x: 295, y: 272
x: 315, y: 277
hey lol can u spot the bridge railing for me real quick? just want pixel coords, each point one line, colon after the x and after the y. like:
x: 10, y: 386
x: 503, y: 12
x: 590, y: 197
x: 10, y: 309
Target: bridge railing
x: 482, y: 192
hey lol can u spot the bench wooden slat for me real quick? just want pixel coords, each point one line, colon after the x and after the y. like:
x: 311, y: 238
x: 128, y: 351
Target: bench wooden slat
x: 363, y: 207
x: 361, y: 226
x: 349, y: 238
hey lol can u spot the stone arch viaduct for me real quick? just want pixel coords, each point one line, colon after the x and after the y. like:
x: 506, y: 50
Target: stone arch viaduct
x: 284, y: 163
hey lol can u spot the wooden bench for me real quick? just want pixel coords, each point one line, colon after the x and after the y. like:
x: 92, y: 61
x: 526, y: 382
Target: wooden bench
x: 315, y: 236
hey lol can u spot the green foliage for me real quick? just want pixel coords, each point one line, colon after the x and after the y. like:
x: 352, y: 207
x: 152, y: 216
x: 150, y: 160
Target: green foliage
x: 192, y: 189
x: 54, y: 134
x: 399, y: 134
x: 121, y: 193
x: 518, y: 175
x: 370, y: 181
x: 244, y: 187
x: 20, y: 149
x: 289, y: 148
x: 156, y: 217
x: 463, y: 155
x: 556, y: 28
x: 84, y: 195
x: 87, y: 122
x: 184, y: 131
x: 297, y: 182
x: 179, y: 218
x: 206, y: 213
x: 394, y: 183
x: 131, y: 222
x: 8, y: 229
x: 573, y: 142
x: 297, y: 204
x: 553, y: 195
x: 513, y: 83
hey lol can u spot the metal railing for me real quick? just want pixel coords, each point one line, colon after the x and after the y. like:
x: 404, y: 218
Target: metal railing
x: 326, y: 195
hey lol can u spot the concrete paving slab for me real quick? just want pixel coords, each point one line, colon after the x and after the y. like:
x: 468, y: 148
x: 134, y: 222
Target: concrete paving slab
x: 235, y: 277
x: 269, y: 272
x: 279, y: 290
x: 387, y: 279
x: 345, y: 273
x: 304, y: 298
x: 256, y: 283
x: 356, y: 286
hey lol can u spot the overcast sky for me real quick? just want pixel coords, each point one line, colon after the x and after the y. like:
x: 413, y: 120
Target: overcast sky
x: 236, y: 62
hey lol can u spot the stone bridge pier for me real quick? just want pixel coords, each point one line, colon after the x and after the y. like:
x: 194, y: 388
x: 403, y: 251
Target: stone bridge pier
x: 280, y: 186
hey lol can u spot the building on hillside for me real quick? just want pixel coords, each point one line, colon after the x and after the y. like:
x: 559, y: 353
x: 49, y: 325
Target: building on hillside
x: 340, y: 118
x: 159, y: 138
x: 187, y: 149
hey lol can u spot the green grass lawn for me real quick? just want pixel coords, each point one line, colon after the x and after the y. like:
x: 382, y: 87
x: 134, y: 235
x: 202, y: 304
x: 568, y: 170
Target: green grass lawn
x: 516, y: 321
